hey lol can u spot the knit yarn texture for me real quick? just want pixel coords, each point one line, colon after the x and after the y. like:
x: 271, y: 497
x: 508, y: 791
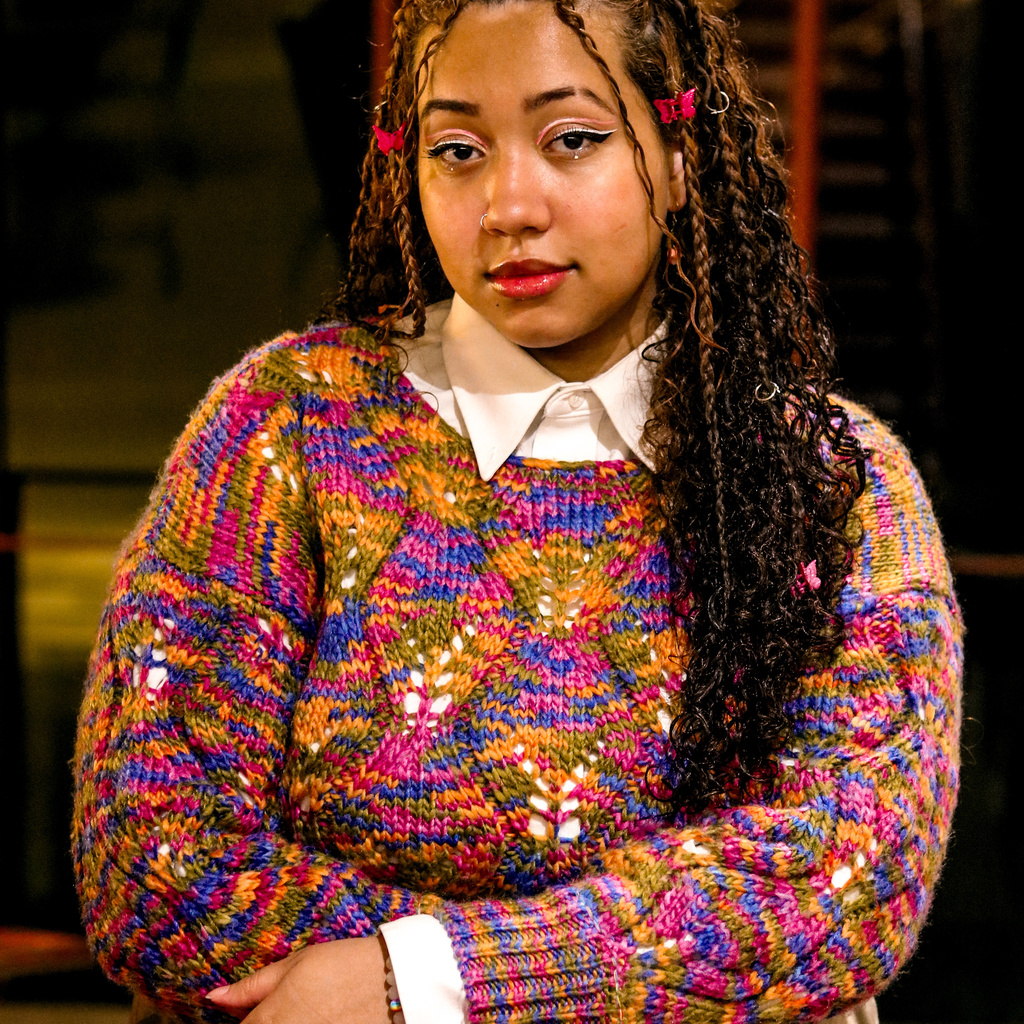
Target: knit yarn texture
x: 341, y: 679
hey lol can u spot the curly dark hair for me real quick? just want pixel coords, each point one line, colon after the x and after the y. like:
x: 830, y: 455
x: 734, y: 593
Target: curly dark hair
x: 756, y: 468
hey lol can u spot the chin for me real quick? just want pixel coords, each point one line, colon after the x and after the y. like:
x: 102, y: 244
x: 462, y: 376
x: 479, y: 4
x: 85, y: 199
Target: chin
x: 534, y: 336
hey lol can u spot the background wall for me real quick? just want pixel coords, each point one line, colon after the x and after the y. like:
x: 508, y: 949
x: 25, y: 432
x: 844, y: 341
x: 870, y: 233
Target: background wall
x: 165, y: 212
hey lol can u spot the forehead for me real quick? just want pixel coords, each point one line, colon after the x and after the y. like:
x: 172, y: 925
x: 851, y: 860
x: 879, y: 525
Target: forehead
x: 496, y: 48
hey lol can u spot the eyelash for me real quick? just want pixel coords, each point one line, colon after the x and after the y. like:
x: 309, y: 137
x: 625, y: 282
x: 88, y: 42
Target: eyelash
x: 592, y: 135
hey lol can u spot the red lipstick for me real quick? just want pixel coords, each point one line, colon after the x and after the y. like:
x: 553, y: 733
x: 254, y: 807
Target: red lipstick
x: 527, y: 279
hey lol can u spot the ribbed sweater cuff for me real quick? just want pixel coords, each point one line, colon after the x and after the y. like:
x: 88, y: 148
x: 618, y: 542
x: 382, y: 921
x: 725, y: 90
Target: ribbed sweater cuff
x: 534, y: 960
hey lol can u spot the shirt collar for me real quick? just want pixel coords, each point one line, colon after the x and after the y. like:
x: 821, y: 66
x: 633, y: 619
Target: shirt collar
x: 500, y: 389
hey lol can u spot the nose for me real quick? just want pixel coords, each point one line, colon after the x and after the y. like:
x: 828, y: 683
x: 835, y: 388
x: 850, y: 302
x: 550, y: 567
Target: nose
x: 518, y: 199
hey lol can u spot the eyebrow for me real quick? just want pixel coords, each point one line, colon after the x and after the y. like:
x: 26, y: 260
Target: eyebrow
x: 553, y: 95
x: 532, y: 103
x: 452, y: 106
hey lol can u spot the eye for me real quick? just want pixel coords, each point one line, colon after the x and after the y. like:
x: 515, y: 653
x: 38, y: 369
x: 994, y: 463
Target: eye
x: 454, y: 152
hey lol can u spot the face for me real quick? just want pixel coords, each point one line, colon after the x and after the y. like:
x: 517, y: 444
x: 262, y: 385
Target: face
x: 519, y: 127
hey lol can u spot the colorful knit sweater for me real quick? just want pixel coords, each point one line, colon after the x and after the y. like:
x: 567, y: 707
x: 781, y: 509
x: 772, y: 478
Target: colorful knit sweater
x: 341, y: 679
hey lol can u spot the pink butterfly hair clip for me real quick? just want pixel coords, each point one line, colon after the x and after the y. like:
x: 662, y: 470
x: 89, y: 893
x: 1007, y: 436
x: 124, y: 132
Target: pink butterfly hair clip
x: 808, y: 578
x: 680, y: 106
x: 388, y: 141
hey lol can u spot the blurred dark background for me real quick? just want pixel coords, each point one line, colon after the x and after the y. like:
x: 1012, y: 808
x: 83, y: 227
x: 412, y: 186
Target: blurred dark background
x: 178, y: 178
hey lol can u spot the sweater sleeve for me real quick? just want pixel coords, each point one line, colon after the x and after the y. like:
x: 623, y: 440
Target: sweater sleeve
x: 795, y: 907
x: 187, y: 867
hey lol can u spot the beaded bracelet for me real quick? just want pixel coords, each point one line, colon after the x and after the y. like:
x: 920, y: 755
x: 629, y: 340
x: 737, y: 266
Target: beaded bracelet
x: 394, y: 1003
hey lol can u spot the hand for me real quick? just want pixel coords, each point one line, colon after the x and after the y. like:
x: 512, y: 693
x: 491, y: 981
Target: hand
x: 340, y: 982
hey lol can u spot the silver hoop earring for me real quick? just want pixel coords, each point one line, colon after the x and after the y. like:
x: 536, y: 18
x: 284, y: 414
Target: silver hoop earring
x: 723, y: 98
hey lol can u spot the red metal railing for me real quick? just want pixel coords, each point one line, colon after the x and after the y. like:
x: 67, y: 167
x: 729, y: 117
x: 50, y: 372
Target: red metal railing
x: 804, y: 158
x: 380, y: 24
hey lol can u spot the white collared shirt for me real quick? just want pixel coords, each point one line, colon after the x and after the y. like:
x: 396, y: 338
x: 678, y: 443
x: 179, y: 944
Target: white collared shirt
x: 496, y: 394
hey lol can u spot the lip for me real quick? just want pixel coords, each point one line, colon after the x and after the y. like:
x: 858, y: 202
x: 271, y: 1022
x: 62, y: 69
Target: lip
x: 527, y: 279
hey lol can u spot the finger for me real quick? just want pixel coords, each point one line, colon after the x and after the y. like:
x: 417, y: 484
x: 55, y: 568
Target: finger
x: 252, y: 989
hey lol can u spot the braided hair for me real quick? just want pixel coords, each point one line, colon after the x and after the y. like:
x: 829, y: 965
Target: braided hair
x: 755, y: 466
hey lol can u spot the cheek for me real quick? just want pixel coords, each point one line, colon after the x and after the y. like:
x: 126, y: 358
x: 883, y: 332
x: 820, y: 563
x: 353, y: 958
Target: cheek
x: 630, y: 231
x: 431, y: 202
x: 430, y: 208
x: 451, y: 232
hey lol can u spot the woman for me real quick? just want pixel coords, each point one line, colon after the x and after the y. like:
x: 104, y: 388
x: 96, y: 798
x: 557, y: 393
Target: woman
x: 561, y: 638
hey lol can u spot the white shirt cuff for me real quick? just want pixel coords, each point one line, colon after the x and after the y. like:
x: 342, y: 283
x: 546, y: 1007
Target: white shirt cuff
x: 426, y: 973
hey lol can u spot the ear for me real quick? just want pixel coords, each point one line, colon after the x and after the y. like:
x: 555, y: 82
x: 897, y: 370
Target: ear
x: 676, y: 180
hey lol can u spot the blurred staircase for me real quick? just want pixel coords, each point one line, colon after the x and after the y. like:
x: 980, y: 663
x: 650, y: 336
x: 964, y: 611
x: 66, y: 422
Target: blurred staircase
x: 875, y: 220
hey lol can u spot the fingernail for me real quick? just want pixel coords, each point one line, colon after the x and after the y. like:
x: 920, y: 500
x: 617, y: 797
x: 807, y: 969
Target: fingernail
x: 218, y: 993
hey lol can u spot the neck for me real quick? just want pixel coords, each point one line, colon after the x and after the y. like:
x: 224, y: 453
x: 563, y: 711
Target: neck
x: 582, y: 359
